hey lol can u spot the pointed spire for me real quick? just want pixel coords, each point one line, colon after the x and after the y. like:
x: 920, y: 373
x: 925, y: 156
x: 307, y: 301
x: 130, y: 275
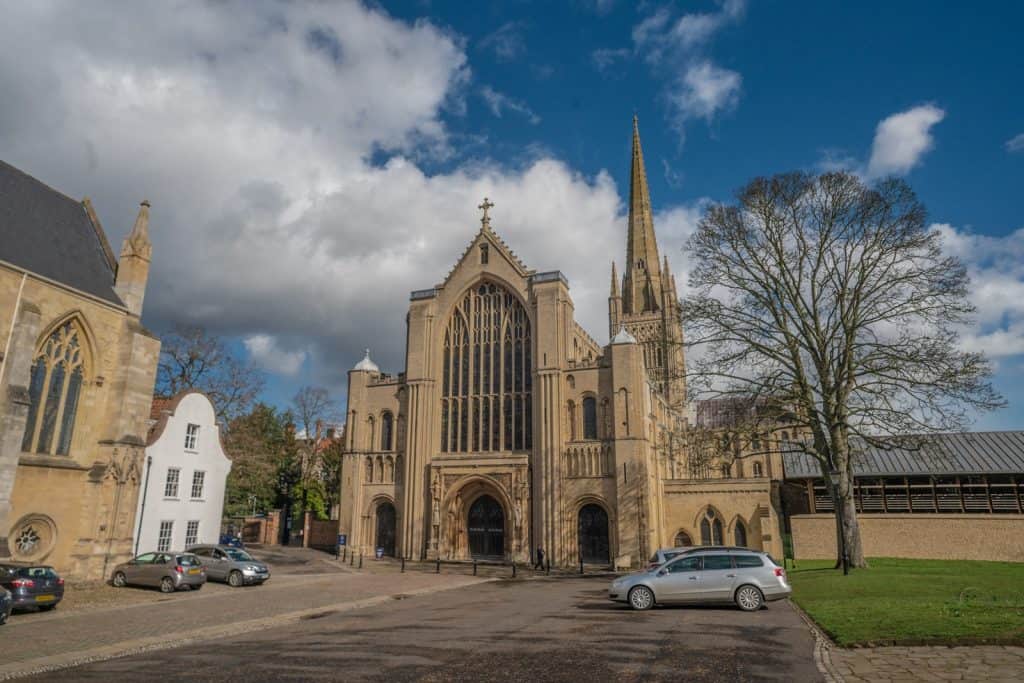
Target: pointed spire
x: 615, y: 282
x: 641, y: 245
x: 137, y: 243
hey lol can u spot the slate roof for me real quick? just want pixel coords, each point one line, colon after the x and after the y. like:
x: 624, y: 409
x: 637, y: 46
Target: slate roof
x: 50, y: 234
x: 939, y: 454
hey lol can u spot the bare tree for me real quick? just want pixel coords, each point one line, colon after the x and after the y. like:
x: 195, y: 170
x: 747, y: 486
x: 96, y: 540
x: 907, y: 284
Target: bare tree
x: 313, y: 407
x: 833, y: 298
x: 191, y: 358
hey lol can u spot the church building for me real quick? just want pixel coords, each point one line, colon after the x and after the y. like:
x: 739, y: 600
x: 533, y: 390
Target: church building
x: 511, y: 428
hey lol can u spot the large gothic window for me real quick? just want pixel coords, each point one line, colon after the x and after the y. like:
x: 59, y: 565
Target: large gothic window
x: 589, y: 418
x: 55, y: 385
x: 486, y: 383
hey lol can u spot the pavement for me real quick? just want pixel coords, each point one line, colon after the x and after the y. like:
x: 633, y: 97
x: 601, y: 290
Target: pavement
x: 911, y: 664
x: 448, y: 627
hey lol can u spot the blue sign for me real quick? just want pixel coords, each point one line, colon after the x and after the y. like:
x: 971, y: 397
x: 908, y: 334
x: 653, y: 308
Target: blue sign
x: 342, y: 539
x: 380, y: 553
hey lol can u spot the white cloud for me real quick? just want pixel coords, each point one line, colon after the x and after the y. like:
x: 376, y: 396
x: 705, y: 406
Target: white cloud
x: 506, y: 41
x: 697, y: 87
x: 278, y: 144
x: 996, y: 267
x: 498, y: 103
x: 1015, y: 144
x: 267, y: 354
x: 901, y: 140
x: 705, y: 90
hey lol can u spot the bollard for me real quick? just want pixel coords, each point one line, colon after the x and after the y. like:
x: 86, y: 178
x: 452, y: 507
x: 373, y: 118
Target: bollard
x: 352, y: 559
x: 581, y: 564
x: 513, y: 570
x: 360, y: 560
x: 474, y: 566
x: 549, y: 567
x: 344, y: 554
x: 438, y: 570
x: 403, y: 564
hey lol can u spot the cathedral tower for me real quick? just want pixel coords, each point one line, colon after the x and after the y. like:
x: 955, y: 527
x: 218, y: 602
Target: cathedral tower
x: 647, y: 304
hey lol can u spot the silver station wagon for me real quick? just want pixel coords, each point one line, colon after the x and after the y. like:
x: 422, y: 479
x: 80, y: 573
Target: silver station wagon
x: 231, y: 565
x: 748, y: 578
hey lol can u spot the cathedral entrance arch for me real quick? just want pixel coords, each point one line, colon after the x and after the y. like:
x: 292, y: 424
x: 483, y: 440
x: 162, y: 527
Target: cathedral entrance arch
x: 486, y: 527
x: 592, y: 530
x: 386, y: 519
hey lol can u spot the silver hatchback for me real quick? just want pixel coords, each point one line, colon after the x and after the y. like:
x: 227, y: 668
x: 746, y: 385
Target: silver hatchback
x: 748, y: 578
x: 167, y: 571
x: 231, y: 565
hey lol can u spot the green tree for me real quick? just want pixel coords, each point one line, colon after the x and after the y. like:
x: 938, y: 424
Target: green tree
x: 256, y: 443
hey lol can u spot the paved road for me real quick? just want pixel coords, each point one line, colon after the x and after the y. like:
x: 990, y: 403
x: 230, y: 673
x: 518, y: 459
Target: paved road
x: 538, y: 630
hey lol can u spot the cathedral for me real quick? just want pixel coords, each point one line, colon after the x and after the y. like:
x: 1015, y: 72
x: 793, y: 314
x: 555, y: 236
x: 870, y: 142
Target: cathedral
x: 512, y: 429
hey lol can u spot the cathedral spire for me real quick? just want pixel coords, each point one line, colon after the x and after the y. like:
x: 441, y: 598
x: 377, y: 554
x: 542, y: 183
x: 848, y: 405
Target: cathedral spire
x: 615, y: 281
x: 642, y: 262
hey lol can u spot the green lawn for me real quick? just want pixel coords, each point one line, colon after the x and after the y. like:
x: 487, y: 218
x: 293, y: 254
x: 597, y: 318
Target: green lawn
x: 914, y: 601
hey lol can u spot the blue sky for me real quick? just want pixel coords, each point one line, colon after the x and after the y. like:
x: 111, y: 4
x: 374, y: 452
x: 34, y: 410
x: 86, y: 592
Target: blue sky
x: 310, y: 164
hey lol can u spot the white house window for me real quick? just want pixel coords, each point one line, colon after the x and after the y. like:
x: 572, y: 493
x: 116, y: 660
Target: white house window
x: 163, y: 543
x: 192, y: 533
x: 171, y: 487
x: 191, y: 436
x: 197, y: 484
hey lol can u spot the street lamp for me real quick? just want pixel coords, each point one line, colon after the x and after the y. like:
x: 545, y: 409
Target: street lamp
x: 833, y: 476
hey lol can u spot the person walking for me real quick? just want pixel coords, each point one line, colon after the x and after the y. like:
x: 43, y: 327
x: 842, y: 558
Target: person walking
x: 540, y: 559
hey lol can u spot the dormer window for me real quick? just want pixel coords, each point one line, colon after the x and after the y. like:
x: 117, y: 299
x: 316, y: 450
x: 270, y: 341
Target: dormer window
x: 484, y: 254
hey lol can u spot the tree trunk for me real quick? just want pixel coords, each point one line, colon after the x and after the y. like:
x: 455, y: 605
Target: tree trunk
x: 851, y: 526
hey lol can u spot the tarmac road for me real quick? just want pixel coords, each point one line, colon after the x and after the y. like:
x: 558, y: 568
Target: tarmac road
x: 537, y: 630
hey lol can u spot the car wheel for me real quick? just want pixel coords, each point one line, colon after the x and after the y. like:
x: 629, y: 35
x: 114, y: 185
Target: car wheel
x: 3, y: 618
x: 166, y: 585
x: 119, y: 580
x: 749, y: 598
x: 235, y: 579
x: 196, y: 586
x: 641, y: 598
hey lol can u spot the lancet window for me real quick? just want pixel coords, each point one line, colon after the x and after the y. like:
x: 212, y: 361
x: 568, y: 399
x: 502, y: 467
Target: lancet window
x: 487, y: 374
x: 54, y: 388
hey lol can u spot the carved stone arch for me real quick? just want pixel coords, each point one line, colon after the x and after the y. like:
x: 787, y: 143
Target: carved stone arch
x: 87, y: 340
x: 371, y: 424
x: 389, y: 469
x: 368, y: 476
x: 592, y: 546
x: 682, y: 538
x: 570, y: 414
x: 739, y: 530
x: 710, y: 523
x: 372, y: 522
x: 455, y: 507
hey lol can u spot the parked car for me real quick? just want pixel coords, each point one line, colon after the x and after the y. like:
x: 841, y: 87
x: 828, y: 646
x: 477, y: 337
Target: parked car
x: 6, y: 605
x: 32, y: 585
x: 232, y: 565
x: 748, y: 578
x: 167, y: 571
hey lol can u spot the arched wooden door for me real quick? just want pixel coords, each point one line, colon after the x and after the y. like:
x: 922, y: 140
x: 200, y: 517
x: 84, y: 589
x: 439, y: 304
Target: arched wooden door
x: 486, y: 525
x: 593, y: 534
x: 386, y: 528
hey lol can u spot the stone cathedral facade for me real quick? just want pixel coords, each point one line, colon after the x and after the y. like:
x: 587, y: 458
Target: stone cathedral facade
x: 511, y: 428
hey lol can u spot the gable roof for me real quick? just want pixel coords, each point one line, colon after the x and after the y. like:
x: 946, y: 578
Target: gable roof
x: 487, y: 234
x: 940, y: 454
x: 52, y: 235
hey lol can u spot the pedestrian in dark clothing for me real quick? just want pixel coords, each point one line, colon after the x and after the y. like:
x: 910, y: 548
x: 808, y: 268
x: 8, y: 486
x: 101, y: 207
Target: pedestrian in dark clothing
x: 540, y: 559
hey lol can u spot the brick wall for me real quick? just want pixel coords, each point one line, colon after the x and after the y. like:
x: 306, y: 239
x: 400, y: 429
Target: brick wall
x: 941, y: 537
x: 322, y: 534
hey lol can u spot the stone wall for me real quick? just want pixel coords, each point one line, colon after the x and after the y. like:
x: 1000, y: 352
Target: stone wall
x: 945, y: 537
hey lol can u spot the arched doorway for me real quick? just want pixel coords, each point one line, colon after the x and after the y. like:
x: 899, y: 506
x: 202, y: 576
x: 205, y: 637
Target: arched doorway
x: 386, y: 528
x: 593, y: 534
x: 486, y: 528
x: 683, y: 540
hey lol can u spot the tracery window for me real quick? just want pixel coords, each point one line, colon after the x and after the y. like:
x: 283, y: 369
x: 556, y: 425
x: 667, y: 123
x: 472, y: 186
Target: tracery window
x: 740, y: 534
x: 386, y: 428
x: 487, y: 374
x: 710, y: 529
x: 589, y: 418
x: 54, y: 388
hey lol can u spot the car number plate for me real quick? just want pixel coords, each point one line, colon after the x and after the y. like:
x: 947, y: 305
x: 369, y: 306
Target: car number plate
x: 44, y: 598
x: 193, y: 571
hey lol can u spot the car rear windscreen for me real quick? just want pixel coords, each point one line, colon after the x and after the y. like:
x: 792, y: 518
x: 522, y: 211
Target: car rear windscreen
x: 188, y: 561
x: 37, y: 573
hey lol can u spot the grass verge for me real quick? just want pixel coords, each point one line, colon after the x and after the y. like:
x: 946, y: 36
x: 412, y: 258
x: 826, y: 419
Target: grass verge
x: 914, y: 602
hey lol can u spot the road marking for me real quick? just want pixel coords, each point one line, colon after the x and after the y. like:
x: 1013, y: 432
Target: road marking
x: 154, y: 643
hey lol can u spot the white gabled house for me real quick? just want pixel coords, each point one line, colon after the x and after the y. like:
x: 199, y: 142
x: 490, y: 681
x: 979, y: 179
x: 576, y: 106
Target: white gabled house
x: 184, y: 475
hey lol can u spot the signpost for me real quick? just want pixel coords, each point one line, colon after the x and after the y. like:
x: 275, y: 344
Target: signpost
x: 342, y: 542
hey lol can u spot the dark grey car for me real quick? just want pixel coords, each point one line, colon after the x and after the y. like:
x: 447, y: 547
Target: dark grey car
x: 231, y: 565
x: 167, y: 571
x: 6, y: 605
x: 32, y: 585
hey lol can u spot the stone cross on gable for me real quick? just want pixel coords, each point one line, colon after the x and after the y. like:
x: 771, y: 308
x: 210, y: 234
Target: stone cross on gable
x: 485, y: 220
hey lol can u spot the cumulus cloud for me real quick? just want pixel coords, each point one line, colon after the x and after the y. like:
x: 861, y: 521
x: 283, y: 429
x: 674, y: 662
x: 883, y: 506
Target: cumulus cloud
x: 1015, y: 144
x: 902, y: 140
x: 996, y: 267
x: 705, y: 90
x: 281, y: 146
x: 696, y: 88
x: 498, y: 103
x: 267, y: 354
